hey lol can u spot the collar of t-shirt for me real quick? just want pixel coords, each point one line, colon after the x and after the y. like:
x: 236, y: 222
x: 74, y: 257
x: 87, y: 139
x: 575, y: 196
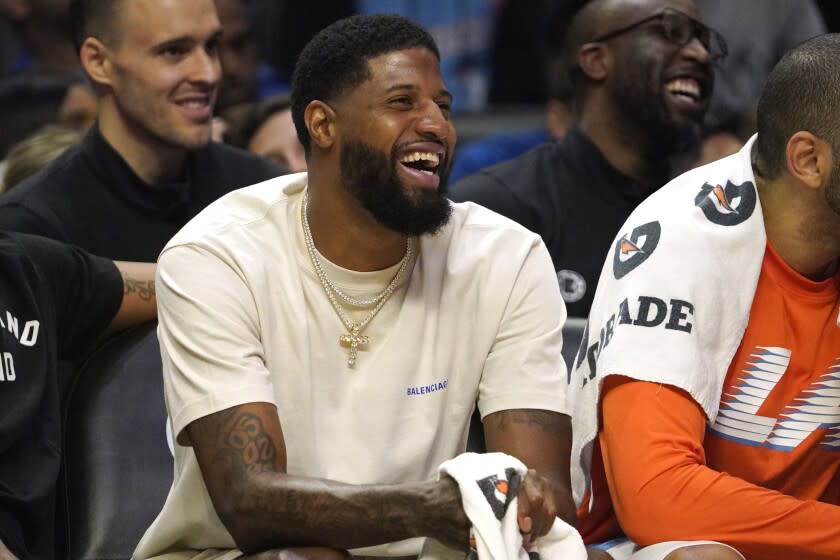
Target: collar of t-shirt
x: 123, y: 182
x: 792, y: 282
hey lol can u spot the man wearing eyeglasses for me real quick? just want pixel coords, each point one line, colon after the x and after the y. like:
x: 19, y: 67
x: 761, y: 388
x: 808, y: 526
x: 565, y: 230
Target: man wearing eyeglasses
x: 707, y: 387
x: 642, y: 78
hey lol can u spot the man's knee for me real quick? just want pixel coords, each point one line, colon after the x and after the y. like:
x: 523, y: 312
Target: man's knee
x: 704, y: 552
x: 300, y: 553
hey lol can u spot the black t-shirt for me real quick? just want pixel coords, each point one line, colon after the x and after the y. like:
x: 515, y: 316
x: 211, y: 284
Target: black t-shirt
x: 568, y: 193
x: 54, y: 302
x: 91, y: 198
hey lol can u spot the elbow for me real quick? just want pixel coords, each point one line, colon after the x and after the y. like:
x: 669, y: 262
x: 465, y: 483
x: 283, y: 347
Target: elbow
x: 238, y: 514
x: 647, y: 516
x: 643, y: 525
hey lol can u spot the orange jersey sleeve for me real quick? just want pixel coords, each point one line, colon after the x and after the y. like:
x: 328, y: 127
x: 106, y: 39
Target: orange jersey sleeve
x: 661, y: 488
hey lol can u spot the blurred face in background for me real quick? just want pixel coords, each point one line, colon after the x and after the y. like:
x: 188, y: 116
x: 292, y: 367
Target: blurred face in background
x: 277, y: 140
x: 662, y: 76
x: 239, y: 55
x: 78, y: 108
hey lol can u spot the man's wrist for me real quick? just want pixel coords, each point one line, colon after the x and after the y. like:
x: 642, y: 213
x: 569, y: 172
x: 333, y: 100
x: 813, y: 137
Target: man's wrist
x: 441, y: 515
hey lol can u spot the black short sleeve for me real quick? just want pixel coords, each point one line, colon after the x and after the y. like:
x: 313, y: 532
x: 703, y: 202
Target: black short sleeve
x: 87, y: 289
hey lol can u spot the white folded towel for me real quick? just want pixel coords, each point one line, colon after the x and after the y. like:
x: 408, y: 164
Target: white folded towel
x: 489, y: 484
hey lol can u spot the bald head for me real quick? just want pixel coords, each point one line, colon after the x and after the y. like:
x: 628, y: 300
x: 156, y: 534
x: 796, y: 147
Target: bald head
x: 599, y: 17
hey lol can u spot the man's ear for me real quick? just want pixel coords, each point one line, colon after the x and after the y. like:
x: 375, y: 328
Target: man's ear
x: 93, y: 55
x: 808, y: 159
x: 593, y: 60
x: 320, y: 122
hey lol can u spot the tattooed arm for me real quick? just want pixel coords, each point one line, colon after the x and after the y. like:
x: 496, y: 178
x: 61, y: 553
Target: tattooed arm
x: 138, y: 303
x: 543, y: 441
x: 242, y: 456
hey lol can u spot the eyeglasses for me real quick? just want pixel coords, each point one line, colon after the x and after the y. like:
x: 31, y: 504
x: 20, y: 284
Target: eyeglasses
x: 679, y: 29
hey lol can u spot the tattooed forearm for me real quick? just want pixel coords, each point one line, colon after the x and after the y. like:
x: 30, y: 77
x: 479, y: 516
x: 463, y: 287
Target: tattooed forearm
x: 550, y: 422
x: 237, y: 441
x: 145, y: 289
x: 242, y: 458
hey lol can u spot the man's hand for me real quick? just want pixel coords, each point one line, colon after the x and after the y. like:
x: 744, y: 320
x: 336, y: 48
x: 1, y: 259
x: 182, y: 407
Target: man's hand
x: 537, y: 511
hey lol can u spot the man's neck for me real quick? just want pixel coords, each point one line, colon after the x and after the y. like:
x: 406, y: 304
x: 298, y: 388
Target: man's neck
x: 152, y: 161
x: 804, y: 237
x: 346, y: 234
x: 629, y: 157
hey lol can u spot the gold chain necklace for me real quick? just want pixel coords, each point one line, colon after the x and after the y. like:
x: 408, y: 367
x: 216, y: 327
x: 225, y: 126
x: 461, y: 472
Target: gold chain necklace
x: 354, y: 339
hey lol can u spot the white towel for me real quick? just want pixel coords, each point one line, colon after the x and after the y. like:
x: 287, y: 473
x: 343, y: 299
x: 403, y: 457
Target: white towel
x: 489, y: 484
x: 674, y: 296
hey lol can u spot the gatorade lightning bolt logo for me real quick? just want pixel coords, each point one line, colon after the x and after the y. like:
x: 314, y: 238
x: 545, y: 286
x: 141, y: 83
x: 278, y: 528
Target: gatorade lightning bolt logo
x: 500, y: 492
x: 729, y: 205
x: 633, y: 249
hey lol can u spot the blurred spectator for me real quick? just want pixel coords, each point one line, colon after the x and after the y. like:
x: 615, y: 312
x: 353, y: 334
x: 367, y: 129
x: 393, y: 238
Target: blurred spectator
x: 35, y: 98
x: 245, y: 77
x: 148, y: 165
x: 43, y: 29
x: 757, y: 34
x: 239, y: 55
x: 641, y: 77
x: 36, y: 152
x: 266, y: 129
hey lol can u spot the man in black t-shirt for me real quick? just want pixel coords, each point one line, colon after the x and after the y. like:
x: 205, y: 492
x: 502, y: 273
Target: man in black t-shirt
x: 642, y: 78
x: 148, y: 165
x: 55, y: 302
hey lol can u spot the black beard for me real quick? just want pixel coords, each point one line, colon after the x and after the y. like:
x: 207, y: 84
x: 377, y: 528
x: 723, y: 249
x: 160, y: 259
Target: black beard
x: 648, y: 118
x: 372, y: 179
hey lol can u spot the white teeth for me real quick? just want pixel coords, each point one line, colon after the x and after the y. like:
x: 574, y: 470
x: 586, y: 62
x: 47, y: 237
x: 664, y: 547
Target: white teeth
x: 684, y: 87
x: 434, y: 159
x: 193, y: 104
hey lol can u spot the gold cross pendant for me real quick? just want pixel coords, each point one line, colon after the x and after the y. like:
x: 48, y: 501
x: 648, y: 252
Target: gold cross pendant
x: 353, y: 340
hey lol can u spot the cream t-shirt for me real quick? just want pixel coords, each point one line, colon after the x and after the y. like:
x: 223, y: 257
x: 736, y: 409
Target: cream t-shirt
x: 243, y: 318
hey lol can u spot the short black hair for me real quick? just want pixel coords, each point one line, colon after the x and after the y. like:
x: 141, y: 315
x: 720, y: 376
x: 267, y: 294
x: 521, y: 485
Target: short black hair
x: 801, y: 93
x: 335, y: 59
x: 93, y: 18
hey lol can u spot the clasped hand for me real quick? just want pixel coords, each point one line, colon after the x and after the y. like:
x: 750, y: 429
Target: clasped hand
x: 536, y: 511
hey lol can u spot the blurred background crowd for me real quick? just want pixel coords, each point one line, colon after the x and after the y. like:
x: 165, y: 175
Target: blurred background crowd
x: 500, y: 59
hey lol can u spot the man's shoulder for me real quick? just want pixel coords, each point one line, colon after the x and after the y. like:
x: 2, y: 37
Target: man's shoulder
x: 240, y: 212
x: 472, y: 223
x: 52, y: 180
x: 724, y: 190
x: 39, y: 203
